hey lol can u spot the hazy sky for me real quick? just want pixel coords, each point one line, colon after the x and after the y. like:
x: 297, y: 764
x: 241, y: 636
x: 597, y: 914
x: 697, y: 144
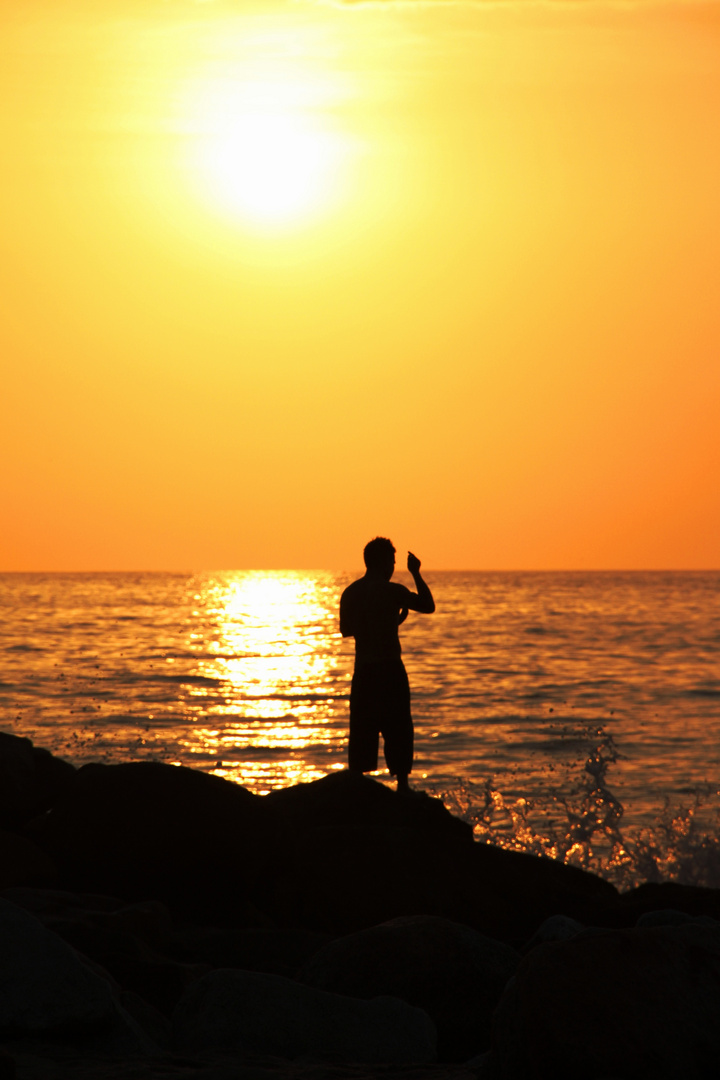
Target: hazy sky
x: 278, y: 277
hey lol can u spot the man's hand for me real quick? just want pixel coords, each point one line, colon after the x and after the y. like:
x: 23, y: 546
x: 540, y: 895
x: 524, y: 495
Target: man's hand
x: 424, y: 600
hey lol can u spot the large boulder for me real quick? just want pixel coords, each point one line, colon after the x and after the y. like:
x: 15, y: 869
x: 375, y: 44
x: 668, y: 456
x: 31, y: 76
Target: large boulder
x: 30, y: 780
x: 130, y: 942
x: 48, y: 992
x: 338, y: 855
x: 44, y: 986
x: 267, y: 1014
x: 342, y: 878
x: 508, y: 893
x: 351, y: 800
x: 613, y: 1003
x: 452, y: 972
x: 144, y: 830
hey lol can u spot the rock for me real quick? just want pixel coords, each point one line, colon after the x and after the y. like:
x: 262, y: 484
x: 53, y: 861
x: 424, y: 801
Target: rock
x: 44, y: 987
x: 7, y: 1066
x: 144, y: 830
x: 48, y: 992
x: 339, y: 879
x: 556, y: 928
x: 155, y: 1024
x: 613, y: 1003
x: 127, y: 941
x: 351, y: 800
x: 511, y: 892
x: 266, y: 1014
x: 276, y: 952
x: 52, y: 777
x: 452, y: 972
x: 131, y: 963
x: 30, y: 779
x: 671, y: 917
x: 665, y: 896
x: 22, y: 863
x: 356, y: 854
x: 334, y: 856
x: 48, y: 902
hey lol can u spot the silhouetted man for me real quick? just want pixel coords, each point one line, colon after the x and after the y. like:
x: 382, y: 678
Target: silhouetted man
x: 371, y: 610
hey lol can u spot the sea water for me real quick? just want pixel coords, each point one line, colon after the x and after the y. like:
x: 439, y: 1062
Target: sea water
x: 571, y: 714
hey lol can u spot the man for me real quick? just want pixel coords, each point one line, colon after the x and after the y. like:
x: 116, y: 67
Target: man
x: 371, y: 610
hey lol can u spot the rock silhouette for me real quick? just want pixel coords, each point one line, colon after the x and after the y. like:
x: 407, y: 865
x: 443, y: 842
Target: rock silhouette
x: 620, y: 1003
x: 452, y: 972
x: 164, y: 890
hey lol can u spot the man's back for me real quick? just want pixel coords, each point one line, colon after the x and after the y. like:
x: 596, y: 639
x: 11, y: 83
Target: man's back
x: 370, y: 611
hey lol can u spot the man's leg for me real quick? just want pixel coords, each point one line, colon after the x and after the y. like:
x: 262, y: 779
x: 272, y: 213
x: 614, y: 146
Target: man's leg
x: 364, y: 729
x: 397, y: 725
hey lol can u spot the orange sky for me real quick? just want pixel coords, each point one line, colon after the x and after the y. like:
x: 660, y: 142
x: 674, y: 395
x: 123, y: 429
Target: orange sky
x: 492, y: 333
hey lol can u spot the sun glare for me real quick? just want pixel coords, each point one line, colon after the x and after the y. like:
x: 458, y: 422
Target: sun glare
x: 266, y: 149
x: 271, y: 167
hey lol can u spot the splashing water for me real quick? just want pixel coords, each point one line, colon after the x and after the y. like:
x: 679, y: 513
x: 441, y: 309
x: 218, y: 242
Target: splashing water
x: 584, y: 828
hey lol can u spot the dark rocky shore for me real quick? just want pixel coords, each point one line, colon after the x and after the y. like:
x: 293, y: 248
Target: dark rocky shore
x: 157, y: 922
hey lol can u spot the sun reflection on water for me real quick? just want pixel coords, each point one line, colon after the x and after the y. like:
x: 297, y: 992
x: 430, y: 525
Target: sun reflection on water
x: 265, y: 693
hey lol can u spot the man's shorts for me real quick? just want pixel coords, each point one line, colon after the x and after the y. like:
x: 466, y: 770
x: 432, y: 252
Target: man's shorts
x: 380, y: 705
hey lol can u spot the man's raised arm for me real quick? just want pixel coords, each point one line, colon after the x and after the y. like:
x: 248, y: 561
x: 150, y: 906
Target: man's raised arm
x: 425, y: 602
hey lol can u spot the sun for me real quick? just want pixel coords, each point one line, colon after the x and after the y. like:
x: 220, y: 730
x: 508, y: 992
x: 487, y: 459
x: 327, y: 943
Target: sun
x: 271, y: 167
x: 266, y: 150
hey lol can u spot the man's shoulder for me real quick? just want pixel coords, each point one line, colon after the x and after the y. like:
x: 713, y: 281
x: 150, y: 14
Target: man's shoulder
x: 352, y: 589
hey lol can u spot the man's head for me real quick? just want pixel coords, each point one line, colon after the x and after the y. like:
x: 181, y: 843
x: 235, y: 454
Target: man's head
x: 379, y: 556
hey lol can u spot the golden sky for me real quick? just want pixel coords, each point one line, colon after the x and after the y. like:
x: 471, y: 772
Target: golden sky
x: 278, y: 277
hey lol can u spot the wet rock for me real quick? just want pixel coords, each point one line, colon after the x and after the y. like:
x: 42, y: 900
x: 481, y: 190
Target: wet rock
x: 512, y: 893
x: 144, y: 830
x: 266, y: 1014
x: 613, y: 1003
x: 452, y: 972
x: 22, y: 863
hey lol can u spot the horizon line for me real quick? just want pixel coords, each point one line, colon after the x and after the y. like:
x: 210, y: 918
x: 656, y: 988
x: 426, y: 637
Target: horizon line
x: 399, y: 569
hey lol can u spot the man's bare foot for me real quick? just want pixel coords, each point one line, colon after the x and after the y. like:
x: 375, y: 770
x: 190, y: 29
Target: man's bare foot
x: 402, y: 784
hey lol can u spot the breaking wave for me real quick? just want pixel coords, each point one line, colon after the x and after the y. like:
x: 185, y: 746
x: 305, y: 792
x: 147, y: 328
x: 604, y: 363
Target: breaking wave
x: 584, y: 828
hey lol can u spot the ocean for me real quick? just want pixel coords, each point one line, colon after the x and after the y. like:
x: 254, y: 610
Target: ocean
x: 571, y: 714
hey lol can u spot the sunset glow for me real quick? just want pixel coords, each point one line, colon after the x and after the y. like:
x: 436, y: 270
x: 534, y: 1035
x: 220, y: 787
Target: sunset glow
x: 284, y: 275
